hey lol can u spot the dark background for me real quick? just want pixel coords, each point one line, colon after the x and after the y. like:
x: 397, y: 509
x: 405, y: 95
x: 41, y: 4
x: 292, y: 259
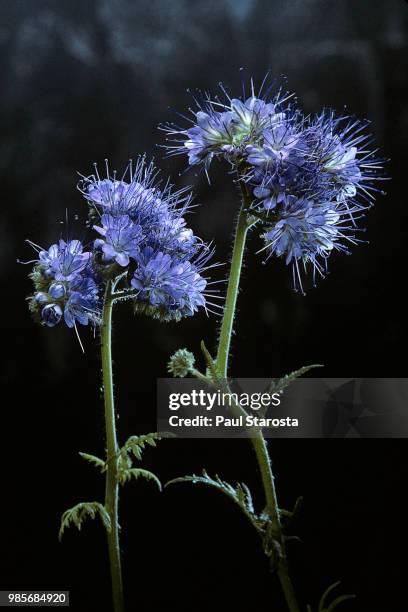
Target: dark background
x: 84, y: 80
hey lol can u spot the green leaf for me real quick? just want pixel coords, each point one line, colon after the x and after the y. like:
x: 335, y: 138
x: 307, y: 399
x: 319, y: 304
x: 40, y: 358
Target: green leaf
x: 95, y: 461
x: 326, y: 594
x: 240, y: 494
x: 76, y: 516
x: 211, y: 364
x: 281, y: 384
x: 127, y: 474
x: 335, y: 603
x: 136, y: 444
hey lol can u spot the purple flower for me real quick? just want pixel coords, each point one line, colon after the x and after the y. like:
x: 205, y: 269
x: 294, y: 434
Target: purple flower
x: 65, y: 260
x: 77, y: 308
x: 224, y: 129
x: 306, y: 230
x: 212, y: 133
x: 174, y: 286
x: 121, y: 238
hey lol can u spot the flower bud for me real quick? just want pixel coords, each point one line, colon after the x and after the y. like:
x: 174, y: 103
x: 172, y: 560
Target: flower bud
x: 57, y: 290
x: 51, y: 314
x: 181, y: 363
x: 41, y: 297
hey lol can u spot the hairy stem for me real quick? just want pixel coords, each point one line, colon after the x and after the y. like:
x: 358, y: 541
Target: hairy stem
x: 112, y: 486
x: 232, y: 293
x: 256, y: 436
x: 264, y: 463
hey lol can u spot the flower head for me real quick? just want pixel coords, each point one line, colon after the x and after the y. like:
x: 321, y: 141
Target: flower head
x: 121, y: 238
x: 65, y: 286
x: 65, y: 260
x: 307, y: 180
x: 173, y: 287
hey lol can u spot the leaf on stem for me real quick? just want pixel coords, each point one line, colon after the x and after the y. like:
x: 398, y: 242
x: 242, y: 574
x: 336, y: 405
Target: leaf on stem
x: 334, y: 604
x: 136, y: 444
x: 127, y: 474
x: 281, y: 384
x: 240, y: 494
x: 211, y: 364
x: 77, y: 515
x: 99, y: 463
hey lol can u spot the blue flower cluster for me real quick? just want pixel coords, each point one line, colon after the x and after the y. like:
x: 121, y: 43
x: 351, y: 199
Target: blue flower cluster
x: 143, y: 228
x: 65, y: 285
x: 307, y: 179
x: 144, y: 247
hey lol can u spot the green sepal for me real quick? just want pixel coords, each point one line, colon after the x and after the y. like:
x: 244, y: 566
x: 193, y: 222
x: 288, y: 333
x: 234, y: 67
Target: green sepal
x: 77, y: 514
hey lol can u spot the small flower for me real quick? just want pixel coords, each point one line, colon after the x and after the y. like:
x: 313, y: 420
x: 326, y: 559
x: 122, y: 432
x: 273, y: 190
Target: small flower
x: 65, y: 260
x: 306, y: 230
x: 213, y: 133
x: 181, y: 363
x: 121, y: 238
x: 51, y: 315
x: 77, y: 308
x: 175, y: 287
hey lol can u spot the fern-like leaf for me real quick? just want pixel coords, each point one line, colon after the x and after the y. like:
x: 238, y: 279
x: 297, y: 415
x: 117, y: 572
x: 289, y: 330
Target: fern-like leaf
x: 281, y: 384
x: 136, y: 444
x: 77, y: 515
x: 99, y: 463
x: 240, y: 494
x: 330, y: 607
x: 127, y: 474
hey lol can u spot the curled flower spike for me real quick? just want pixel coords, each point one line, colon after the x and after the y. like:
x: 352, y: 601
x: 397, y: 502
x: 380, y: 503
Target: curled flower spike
x: 308, y: 179
x: 65, y: 287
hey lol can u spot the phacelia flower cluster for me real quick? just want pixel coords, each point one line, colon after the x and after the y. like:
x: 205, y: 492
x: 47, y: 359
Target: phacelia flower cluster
x: 65, y: 285
x: 143, y: 250
x: 307, y: 180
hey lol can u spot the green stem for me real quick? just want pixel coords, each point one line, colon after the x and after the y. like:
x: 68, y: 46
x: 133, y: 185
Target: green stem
x: 256, y: 436
x: 264, y: 463
x: 232, y: 293
x: 112, y: 486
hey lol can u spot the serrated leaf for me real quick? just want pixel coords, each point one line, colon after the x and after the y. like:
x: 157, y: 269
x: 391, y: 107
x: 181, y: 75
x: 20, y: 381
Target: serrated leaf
x: 128, y: 474
x: 281, y: 384
x: 136, y: 444
x: 77, y: 514
x: 240, y: 494
x: 94, y: 460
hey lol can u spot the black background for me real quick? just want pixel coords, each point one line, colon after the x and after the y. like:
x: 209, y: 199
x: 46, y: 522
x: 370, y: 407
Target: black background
x: 85, y: 80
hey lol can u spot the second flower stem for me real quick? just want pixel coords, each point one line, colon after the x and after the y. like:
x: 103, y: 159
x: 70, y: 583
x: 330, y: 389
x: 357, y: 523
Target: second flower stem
x: 112, y: 486
x: 232, y: 293
x: 256, y: 436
